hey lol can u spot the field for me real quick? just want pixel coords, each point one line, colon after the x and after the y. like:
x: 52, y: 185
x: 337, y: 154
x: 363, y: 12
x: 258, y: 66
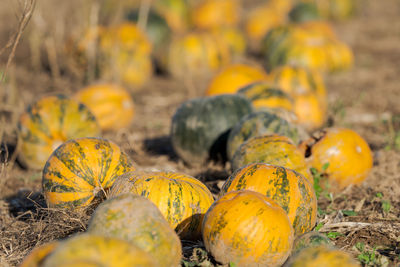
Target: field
x: 363, y: 220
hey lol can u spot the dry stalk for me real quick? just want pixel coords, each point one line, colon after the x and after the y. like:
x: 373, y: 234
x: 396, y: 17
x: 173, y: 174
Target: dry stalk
x: 144, y: 10
x: 27, y: 11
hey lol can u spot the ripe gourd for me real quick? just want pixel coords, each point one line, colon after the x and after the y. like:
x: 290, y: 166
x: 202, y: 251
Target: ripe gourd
x: 36, y: 257
x: 182, y: 199
x: 79, y: 169
x: 48, y: 123
x: 246, y: 228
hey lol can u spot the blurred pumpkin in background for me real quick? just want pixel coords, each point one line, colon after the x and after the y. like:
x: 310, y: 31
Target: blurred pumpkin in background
x: 175, y: 12
x: 196, y: 55
x: 209, y: 14
x: 48, y: 123
x: 233, y: 77
x: 111, y: 104
x: 334, y: 9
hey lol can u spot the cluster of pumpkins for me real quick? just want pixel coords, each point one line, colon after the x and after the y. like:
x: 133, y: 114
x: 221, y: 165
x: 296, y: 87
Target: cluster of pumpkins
x: 192, y: 39
x: 256, y: 121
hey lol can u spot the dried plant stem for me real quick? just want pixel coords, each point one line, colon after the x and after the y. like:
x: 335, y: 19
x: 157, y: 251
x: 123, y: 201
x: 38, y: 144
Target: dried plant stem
x: 29, y: 6
x: 144, y: 10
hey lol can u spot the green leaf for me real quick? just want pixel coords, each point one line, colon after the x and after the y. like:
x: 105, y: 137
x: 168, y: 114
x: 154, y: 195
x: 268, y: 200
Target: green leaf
x: 319, y: 226
x: 333, y: 235
x: 349, y: 212
x: 379, y: 194
x: 325, y: 166
x: 360, y: 246
x: 232, y: 264
x: 386, y: 206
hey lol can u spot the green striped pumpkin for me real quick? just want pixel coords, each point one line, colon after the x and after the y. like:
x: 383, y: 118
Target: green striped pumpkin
x: 81, y: 168
x: 260, y: 123
x: 181, y: 198
x: 48, y: 123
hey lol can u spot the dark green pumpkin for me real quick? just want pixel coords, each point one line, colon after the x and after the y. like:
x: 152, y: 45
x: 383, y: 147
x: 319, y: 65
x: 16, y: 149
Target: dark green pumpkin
x: 261, y: 123
x: 304, y: 12
x: 200, y: 126
x: 311, y: 239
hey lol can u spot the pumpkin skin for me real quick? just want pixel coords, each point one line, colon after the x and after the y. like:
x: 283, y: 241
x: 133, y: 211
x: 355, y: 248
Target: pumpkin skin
x: 266, y: 95
x: 199, y: 126
x: 176, y: 13
x: 296, y: 80
x: 48, y: 123
x: 137, y: 220
x: 272, y: 149
x: 234, y: 40
x: 322, y: 256
x: 111, y: 104
x: 304, y: 12
x: 257, y: 124
x: 289, y: 189
x: 209, y: 14
x: 334, y: 9
x: 79, y: 169
x: 234, y: 77
x: 309, y: 110
x: 182, y: 199
x: 196, y: 54
x: 126, y: 55
x: 248, y: 229
x: 92, y: 250
x: 36, y: 257
x: 348, y: 154
x: 311, y: 239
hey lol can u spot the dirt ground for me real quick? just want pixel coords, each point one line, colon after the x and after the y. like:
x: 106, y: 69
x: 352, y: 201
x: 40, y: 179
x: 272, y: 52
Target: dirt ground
x: 363, y: 220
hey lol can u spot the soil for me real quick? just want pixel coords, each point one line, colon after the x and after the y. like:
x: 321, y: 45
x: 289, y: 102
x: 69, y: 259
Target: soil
x: 363, y: 220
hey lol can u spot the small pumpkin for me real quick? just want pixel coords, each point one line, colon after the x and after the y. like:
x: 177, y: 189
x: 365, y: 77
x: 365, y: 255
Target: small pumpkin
x: 137, y: 220
x: 304, y: 11
x: 345, y: 153
x: 92, y: 250
x: 291, y: 190
x: 266, y: 95
x: 334, y: 9
x: 311, y: 239
x: 234, y: 77
x: 37, y: 256
x: 176, y: 13
x: 182, y: 199
x: 260, y: 123
x: 196, y: 54
x: 248, y: 229
x: 234, y: 40
x: 111, y: 104
x: 200, y: 126
x: 81, y: 168
x: 209, y: 14
x: 272, y: 149
x: 322, y: 256
x: 48, y: 123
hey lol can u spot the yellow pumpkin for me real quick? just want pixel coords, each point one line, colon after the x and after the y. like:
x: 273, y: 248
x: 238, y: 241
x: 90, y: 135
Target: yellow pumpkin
x: 345, y: 153
x: 175, y: 12
x: 272, y: 149
x: 234, y: 77
x: 91, y: 250
x: 182, y: 199
x: 48, y: 123
x: 36, y: 257
x: 334, y: 9
x: 137, y: 220
x: 126, y: 54
x: 80, y: 169
x: 111, y: 104
x: 291, y: 190
x: 196, y: 55
x: 233, y: 38
x: 322, y: 256
x: 248, y: 229
x: 309, y: 110
x: 209, y: 14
